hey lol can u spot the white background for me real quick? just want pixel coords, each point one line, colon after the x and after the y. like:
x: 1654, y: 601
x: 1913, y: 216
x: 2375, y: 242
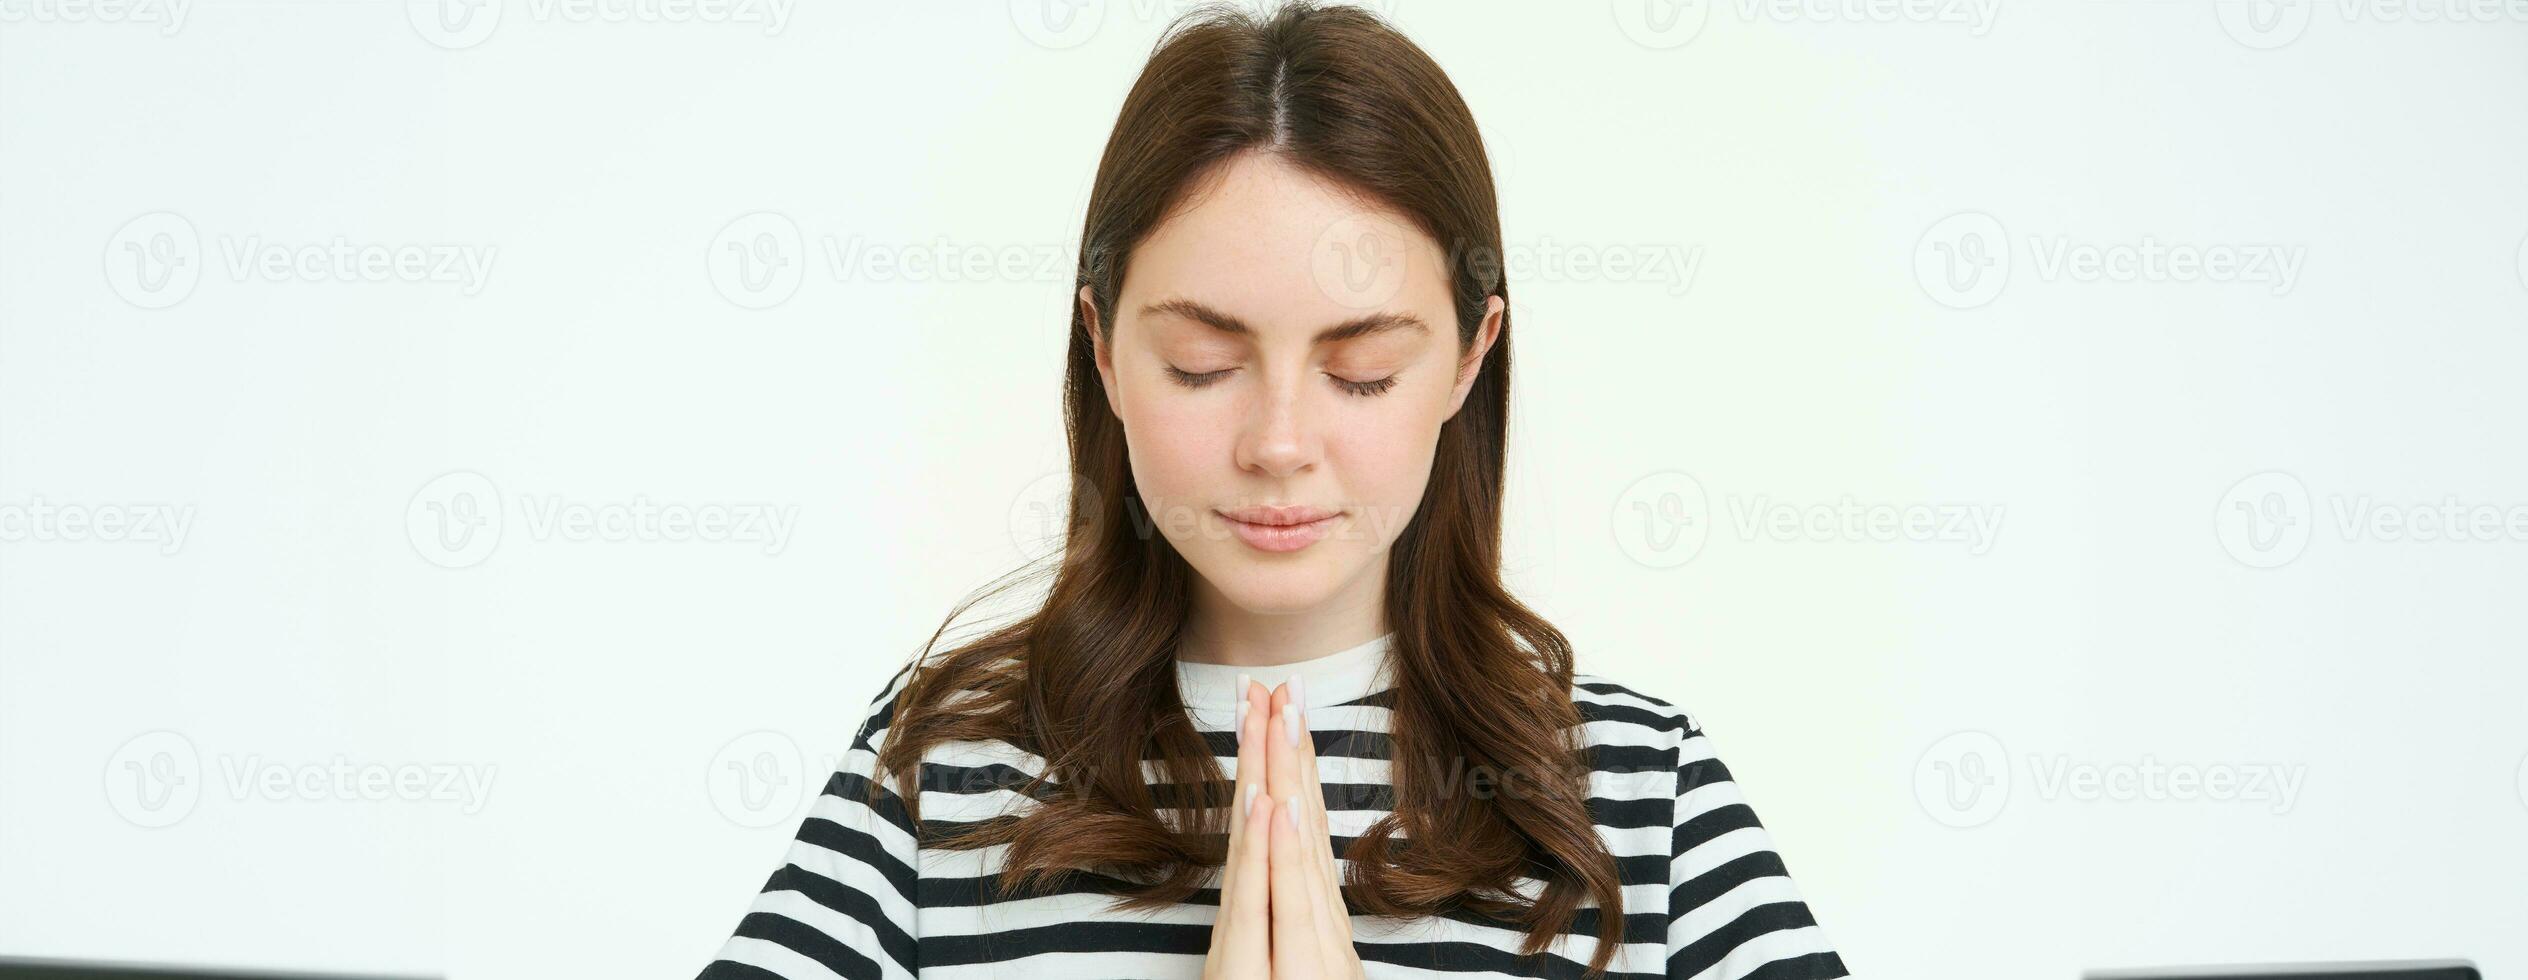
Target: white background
x: 631, y: 707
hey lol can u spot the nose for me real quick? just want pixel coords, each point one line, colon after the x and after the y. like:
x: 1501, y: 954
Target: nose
x: 1278, y: 438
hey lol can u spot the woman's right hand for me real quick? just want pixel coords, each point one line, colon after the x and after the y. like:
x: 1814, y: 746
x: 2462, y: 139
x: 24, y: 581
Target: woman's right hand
x: 1242, y: 934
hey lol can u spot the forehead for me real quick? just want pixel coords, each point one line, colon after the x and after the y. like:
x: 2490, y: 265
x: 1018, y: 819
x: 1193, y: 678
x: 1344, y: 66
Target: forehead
x: 1288, y: 252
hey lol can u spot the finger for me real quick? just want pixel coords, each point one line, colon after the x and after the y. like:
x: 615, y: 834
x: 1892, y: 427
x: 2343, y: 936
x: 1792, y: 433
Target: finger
x: 1298, y: 940
x: 1333, y: 926
x: 1314, y: 828
x: 1246, y: 921
x: 1281, y: 754
x: 1249, y: 780
x: 1303, y: 769
x: 1293, y: 768
x: 1313, y: 823
x: 1242, y: 867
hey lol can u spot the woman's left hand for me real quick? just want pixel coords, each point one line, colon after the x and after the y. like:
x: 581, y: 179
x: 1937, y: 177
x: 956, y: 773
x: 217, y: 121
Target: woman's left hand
x: 1312, y: 931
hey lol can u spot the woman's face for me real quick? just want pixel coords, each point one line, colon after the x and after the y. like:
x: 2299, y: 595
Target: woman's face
x: 1283, y: 357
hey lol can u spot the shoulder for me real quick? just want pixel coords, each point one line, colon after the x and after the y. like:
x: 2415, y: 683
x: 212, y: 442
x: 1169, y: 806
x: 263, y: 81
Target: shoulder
x: 883, y: 707
x: 1615, y: 712
x: 909, y: 687
x: 929, y: 679
x: 921, y: 693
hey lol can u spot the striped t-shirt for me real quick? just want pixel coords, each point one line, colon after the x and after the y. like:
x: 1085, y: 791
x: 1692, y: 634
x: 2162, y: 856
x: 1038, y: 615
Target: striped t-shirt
x: 860, y: 895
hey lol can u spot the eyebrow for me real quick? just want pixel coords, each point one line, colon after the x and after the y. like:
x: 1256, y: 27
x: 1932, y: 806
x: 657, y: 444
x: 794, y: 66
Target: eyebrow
x: 1360, y: 326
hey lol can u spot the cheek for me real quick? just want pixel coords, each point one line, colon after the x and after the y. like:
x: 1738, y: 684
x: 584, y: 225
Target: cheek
x: 1177, y: 446
x: 1384, y: 464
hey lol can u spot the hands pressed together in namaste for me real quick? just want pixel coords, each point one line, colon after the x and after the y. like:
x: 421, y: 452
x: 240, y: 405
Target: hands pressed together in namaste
x: 1281, y: 904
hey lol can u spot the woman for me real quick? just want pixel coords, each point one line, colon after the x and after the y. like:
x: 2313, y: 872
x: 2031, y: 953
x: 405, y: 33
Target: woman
x: 1287, y: 395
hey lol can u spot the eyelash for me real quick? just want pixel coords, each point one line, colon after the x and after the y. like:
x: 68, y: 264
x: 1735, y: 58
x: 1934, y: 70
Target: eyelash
x: 1362, y: 388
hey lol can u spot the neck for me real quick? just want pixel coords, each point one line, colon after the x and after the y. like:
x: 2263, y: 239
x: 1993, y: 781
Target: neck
x: 1218, y: 631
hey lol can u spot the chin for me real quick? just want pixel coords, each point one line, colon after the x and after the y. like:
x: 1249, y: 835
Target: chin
x: 1288, y: 583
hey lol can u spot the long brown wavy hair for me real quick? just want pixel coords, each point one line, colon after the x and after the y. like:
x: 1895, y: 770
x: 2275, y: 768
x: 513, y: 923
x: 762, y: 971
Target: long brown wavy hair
x: 1085, y: 679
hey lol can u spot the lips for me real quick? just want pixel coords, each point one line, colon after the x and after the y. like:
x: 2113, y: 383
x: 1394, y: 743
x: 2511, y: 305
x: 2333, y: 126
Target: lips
x: 1278, y: 516
x: 1280, y: 529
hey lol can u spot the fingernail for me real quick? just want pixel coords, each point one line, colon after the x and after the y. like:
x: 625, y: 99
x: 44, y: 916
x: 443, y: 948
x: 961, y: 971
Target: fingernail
x: 1250, y: 799
x: 1242, y: 684
x: 1294, y: 811
x: 1290, y: 721
x: 1299, y: 691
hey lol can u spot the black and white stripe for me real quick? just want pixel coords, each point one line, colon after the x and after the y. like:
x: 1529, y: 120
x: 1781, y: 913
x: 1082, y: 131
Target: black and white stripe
x: 1705, y: 895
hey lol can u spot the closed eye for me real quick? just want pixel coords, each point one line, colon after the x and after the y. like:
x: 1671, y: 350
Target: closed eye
x: 1192, y: 380
x: 1189, y: 379
x: 1375, y: 387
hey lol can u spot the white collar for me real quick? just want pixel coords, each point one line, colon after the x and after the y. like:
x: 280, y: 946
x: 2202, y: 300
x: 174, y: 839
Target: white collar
x: 1211, y: 690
